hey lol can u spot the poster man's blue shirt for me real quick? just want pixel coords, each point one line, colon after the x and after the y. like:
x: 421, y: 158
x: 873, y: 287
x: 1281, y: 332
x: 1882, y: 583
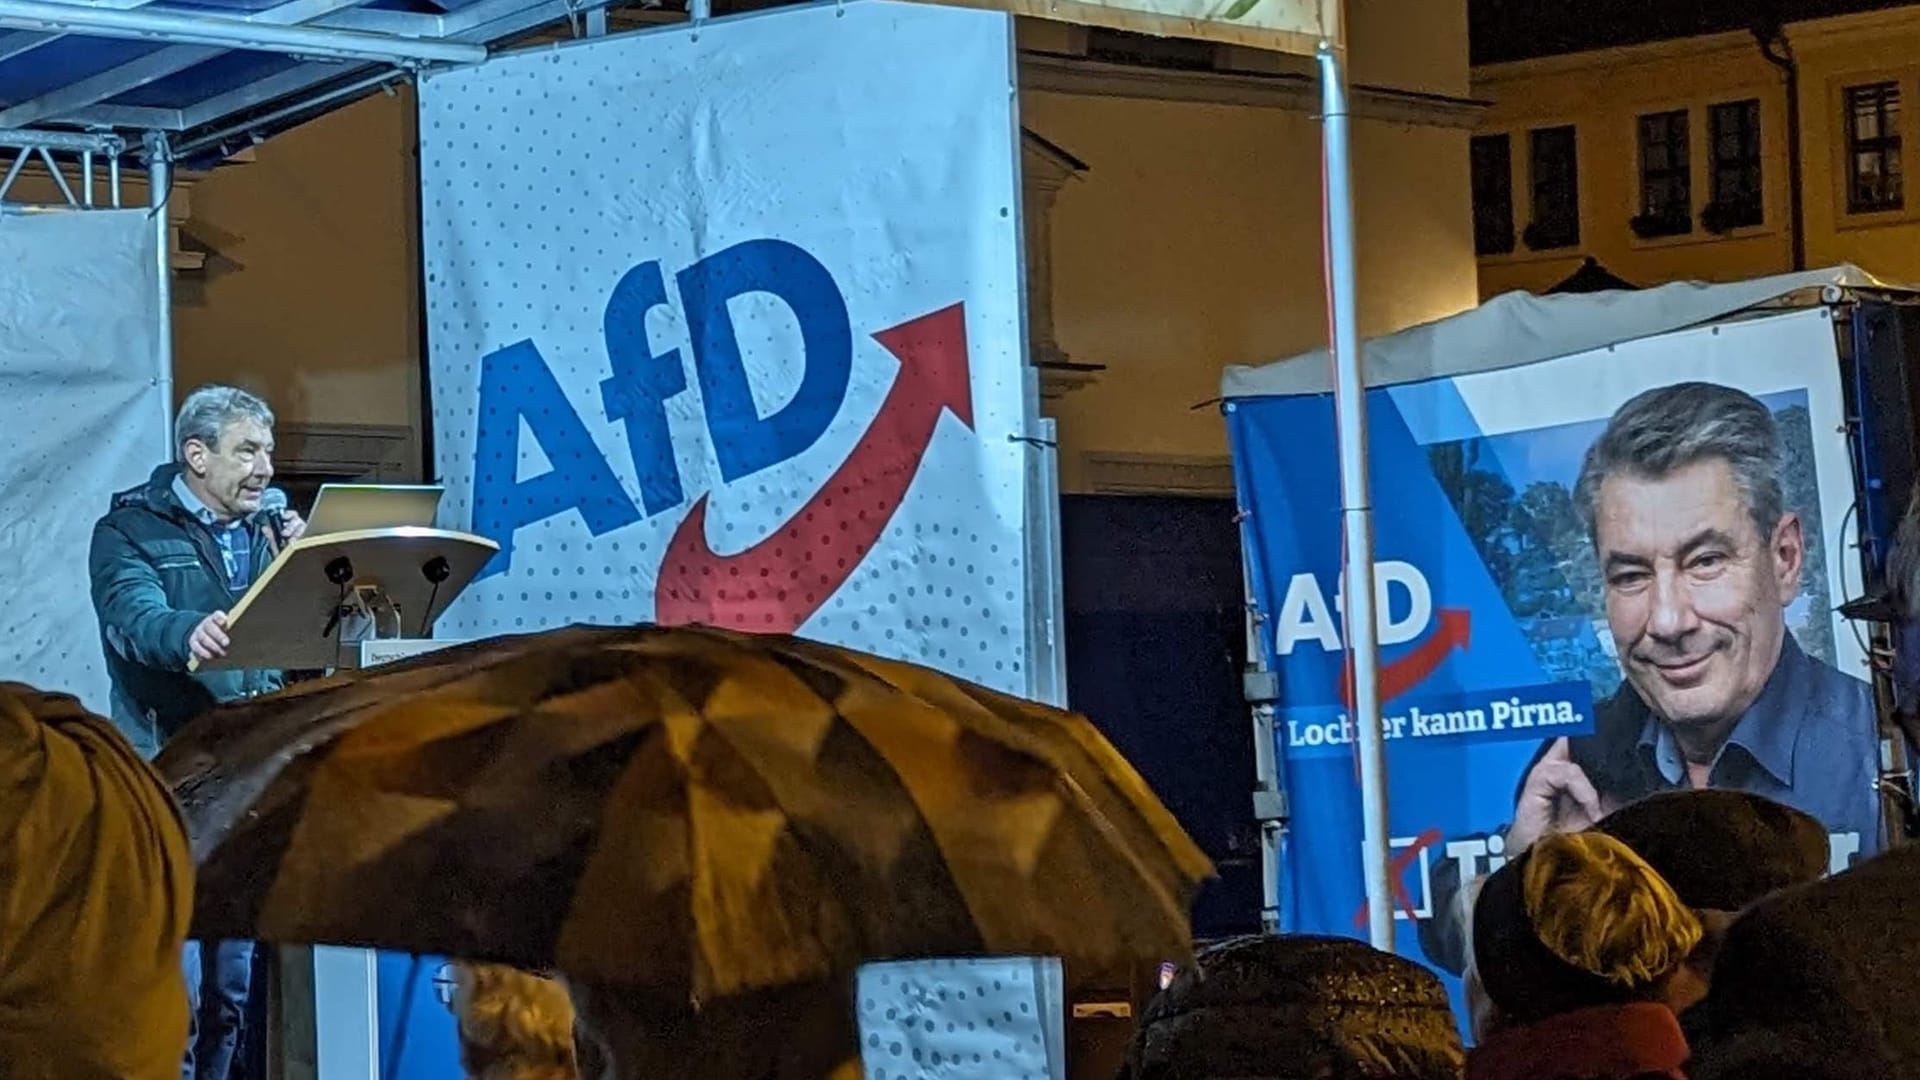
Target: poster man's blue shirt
x: 1810, y: 740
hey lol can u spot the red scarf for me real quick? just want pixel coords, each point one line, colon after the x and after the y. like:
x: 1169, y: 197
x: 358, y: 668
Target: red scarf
x: 1606, y: 1043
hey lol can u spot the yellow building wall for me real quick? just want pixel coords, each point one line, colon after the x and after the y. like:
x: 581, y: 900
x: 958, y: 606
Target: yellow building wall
x: 1192, y: 242
x: 313, y: 299
x: 1604, y: 93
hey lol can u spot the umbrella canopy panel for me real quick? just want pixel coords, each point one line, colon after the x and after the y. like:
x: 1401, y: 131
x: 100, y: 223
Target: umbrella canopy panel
x: 701, y: 812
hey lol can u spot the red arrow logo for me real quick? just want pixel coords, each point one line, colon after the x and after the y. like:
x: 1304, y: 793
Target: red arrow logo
x: 1409, y: 671
x: 776, y: 585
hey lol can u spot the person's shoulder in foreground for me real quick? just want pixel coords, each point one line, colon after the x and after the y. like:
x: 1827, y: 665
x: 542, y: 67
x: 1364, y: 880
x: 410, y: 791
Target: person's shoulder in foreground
x: 94, y: 863
x: 1818, y: 981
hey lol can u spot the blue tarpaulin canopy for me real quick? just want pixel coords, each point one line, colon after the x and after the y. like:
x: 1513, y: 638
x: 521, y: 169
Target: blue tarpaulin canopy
x: 212, y: 72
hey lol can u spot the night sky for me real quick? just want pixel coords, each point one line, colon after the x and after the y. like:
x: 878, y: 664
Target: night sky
x: 1518, y: 29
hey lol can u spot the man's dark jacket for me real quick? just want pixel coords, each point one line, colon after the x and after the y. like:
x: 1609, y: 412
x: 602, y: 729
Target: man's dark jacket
x: 157, y: 572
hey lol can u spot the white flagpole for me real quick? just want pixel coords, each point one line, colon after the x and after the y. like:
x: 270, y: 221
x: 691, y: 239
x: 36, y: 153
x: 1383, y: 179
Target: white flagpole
x: 1356, y: 504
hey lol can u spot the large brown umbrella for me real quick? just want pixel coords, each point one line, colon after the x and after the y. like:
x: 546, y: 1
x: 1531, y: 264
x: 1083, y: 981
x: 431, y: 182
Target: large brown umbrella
x: 685, y: 811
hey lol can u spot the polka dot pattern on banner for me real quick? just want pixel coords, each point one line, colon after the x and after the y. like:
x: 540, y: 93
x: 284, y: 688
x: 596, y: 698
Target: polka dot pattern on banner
x: 900, y: 528
x: 978, y: 1019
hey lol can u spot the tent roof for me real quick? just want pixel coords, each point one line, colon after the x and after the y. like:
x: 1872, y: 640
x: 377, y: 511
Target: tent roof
x: 203, y: 72
x: 1519, y: 328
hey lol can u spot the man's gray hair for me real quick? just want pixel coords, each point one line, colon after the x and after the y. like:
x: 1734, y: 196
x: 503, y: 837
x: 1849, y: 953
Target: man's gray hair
x: 1669, y: 428
x: 209, y: 409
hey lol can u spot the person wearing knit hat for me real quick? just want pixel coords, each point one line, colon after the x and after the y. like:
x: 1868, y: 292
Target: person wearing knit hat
x: 1297, y: 1007
x: 1819, y: 981
x: 1580, y: 946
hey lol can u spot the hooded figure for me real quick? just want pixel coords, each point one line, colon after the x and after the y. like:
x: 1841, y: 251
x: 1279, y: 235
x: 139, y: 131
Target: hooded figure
x: 96, y: 888
x: 1819, y: 981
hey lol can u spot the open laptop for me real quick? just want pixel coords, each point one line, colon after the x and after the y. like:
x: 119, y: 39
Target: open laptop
x: 351, y: 507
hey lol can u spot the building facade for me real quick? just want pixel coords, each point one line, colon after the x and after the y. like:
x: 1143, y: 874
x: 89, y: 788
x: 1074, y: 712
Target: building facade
x: 1673, y: 160
x: 1173, y: 205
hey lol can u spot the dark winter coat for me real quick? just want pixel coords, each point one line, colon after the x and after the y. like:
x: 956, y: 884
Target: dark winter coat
x: 157, y: 572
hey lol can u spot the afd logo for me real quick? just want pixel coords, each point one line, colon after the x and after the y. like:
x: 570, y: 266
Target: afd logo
x: 1305, y: 614
x: 777, y: 583
x: 1404, y: 611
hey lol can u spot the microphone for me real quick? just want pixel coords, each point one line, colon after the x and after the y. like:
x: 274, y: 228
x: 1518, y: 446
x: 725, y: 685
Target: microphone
x: 273, y: 503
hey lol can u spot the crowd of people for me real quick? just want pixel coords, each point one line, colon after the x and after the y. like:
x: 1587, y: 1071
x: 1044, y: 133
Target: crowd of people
x: 1689, y: 935
x: 1682, y: 925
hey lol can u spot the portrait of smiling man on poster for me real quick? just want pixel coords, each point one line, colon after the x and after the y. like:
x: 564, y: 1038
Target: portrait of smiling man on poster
x: 1699, y: 558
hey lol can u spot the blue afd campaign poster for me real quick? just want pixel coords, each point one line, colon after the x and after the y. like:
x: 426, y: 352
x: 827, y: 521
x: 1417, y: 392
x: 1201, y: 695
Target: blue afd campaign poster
x: 1676, y: 608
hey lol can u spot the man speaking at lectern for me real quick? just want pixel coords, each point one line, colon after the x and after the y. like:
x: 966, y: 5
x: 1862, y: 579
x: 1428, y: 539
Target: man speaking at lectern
x: 168, y: 560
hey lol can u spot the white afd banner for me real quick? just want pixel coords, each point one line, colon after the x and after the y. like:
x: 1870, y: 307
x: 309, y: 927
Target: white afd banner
x: 726, y: 328
x: 85, y: 407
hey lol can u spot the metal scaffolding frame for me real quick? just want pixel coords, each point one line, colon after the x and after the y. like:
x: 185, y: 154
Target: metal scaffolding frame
x: 330, y: 43
x: 75, y: 165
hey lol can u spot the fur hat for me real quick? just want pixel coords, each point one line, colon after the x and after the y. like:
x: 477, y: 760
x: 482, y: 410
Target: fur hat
x: 1576, y: 921
x: 1722, y: 850
x: 1298, y: 1006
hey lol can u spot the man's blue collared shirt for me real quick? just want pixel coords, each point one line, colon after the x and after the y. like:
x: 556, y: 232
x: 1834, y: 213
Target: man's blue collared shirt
x: 1810, y: 740
x: 236, y: 546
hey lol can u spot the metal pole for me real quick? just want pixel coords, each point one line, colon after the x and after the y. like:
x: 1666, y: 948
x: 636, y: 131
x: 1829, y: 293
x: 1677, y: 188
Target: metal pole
x: 192, y: 148
x: 159, y: 181
x: 199, y: 29
x: 1261, y: 688
x: 71, y: 142
x: 59, y: 178
x: 1356, y: 503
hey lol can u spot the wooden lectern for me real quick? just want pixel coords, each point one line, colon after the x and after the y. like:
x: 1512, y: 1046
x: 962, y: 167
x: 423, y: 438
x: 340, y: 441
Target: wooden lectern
x: 326, y: 594
x: 327, y: 600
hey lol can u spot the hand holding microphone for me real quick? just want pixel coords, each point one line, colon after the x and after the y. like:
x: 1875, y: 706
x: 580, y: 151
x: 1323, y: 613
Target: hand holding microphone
x: 287, y: 524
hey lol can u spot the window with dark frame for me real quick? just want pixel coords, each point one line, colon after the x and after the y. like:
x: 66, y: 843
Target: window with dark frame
x: 1492, y: 157
x: 1738, y: 201
x: 1555, y: 187
x: 1666, y: 176
x: 1873, y: 148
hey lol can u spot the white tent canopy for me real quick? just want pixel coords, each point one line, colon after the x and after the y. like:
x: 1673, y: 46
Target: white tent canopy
x: 1521, y: 328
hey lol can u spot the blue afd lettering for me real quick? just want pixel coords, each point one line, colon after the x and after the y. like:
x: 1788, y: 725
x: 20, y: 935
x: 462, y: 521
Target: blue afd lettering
x: 516, y: 384
x: 641, y: 384
x: 744, y: 442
